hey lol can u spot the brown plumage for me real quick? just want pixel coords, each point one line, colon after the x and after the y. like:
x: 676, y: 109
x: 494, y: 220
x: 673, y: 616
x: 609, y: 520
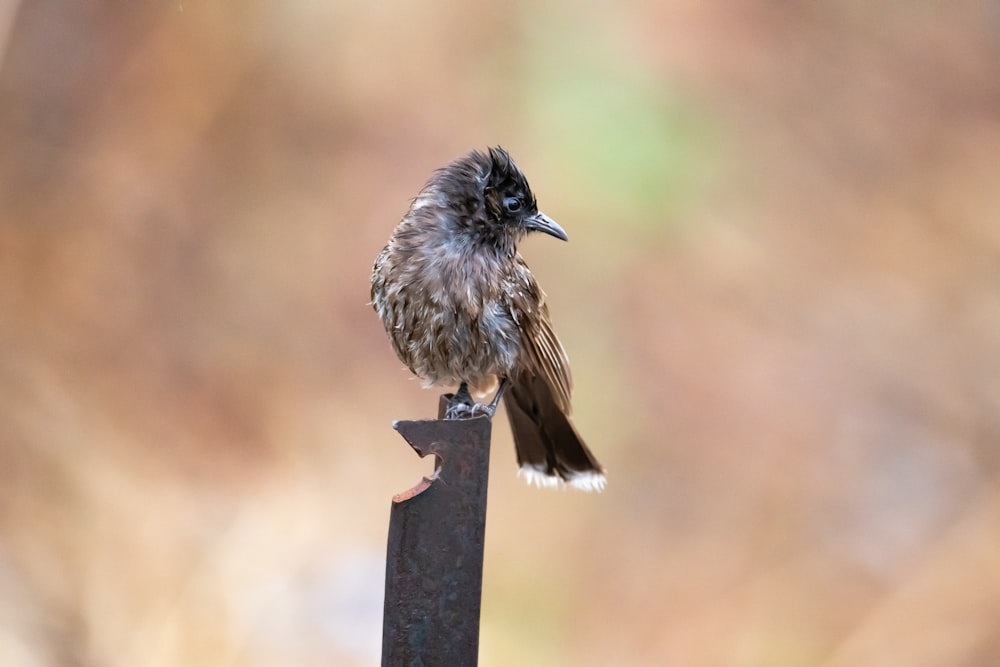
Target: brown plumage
x: 461, y: 307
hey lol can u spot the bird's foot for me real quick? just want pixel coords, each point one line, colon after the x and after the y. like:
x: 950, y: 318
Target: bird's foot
x: 461, y: 410
x: 462, y: 406
x: 458, y: 409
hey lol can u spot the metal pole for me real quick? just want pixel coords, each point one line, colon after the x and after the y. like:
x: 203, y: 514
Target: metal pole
x: 434, y: 560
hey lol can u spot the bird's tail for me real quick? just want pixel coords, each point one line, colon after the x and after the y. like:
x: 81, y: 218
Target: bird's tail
x: 548, y: 447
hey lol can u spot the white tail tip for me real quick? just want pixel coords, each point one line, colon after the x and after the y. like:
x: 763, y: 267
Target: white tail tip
x: 584, y: 481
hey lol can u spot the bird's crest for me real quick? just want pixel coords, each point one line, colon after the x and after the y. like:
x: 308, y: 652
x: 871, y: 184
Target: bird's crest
x: 505, y: 176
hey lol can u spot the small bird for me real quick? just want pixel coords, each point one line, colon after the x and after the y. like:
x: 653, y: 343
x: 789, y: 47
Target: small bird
x: 461, y: 307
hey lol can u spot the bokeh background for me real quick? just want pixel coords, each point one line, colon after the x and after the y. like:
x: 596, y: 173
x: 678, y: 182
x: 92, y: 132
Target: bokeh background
x: 781, y: 298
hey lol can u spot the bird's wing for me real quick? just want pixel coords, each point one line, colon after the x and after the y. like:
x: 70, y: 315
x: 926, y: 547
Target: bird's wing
x: 544, y: 353
x: 551, y: 360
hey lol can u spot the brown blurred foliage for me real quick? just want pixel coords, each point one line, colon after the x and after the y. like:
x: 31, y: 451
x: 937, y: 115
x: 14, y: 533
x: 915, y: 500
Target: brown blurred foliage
x: 781, y: 298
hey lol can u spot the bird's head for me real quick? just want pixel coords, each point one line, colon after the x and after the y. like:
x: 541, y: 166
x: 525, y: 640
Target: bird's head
x: 509, y: 203
x: 483, y: 197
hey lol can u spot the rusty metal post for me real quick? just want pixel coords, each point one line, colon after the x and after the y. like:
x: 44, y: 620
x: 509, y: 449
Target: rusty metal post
x: 434, y: 560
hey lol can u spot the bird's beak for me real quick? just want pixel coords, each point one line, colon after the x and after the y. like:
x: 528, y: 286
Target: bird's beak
x: 543, y: 223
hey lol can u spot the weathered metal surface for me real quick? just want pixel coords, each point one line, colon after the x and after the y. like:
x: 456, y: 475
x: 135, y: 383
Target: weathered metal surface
x: 434, y: 563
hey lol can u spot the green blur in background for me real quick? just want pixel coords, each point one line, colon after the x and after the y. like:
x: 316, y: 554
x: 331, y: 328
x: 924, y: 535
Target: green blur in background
x: 781, y: 298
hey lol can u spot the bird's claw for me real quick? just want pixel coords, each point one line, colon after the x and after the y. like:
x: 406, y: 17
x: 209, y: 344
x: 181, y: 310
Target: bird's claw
x: 462, y: 410
x: 478, y: 410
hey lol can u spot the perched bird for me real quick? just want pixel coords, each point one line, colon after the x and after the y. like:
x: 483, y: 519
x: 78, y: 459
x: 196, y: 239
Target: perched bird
x: 462, y: 308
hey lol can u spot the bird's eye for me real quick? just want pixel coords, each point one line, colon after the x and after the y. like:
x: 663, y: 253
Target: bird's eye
x: 512, y: 204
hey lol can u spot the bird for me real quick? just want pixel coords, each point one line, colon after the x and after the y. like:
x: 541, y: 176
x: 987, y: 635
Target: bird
x: 461, y: 307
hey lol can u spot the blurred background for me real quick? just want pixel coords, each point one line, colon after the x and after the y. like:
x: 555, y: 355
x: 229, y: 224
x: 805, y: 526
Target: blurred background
x: 781, y: 298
